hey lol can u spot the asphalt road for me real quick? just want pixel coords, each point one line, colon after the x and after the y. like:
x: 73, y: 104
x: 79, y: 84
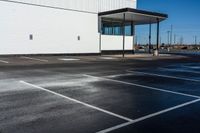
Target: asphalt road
x: 87, y: 94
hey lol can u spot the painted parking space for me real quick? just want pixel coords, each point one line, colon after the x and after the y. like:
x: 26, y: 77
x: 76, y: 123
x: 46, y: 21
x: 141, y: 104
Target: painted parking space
x: 189, y: 74
x: 3, y: 61
x: 64, y: 59
x: 185, y: 66
x: 108, y: 58
x: 33, y: 58
x: 194, y: 77
x: 129, y: 108
x: 177, y: 72
x: 27, y: 109
x: 22, y: 60
x: 183, y: 120
x: 166, y: 83
x: 126, y: 100
x: 160, y: 78
x: 101, y: 96
x: 68, y: 59
x: 39, y: 60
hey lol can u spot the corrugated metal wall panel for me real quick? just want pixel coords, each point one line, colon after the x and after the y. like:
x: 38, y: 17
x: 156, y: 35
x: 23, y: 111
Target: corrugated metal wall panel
x: 85, y: 5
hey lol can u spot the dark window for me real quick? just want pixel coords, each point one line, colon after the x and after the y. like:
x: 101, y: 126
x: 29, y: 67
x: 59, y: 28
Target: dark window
x: 107, y: 28
x: 116, y: 28
x: 78, y: 38
x: 128, y: 29
x: 31, y: 37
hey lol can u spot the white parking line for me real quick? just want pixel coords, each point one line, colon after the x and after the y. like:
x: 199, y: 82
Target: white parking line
x: 42, y: 60
x: 108, y: 58
x: 74, y: 100
x: 68, y: 59
x: 178, y: 70
x: 3, y: 61
x: 193, y: 67
x: 145, y: 59
x: 143, y: 86
x: 165, y: 76
x: 118, y: 75
x: 148, y: 116
x: 130, y: 121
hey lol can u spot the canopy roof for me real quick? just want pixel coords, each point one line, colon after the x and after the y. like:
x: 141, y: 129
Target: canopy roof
x: 139, y: 17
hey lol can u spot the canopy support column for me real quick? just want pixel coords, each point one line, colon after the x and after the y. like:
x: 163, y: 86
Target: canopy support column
x: 158, y: 34
x: 100, y: 37
x: 124, y: 19
x: 150, y: 38
x: 133, y: 34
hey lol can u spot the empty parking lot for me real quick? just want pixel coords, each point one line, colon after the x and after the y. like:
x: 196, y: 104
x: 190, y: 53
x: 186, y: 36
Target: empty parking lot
x: 87, y: 94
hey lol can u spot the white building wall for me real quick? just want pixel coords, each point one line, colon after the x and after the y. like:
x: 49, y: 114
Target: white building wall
x: 84, y: 5
x: 106, y: 5
x: 54, y: 30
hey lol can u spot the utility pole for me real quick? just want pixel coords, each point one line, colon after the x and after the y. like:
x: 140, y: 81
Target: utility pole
x: 168, y: 32
x: 195, y: 40
x: 136, y: 40
x: 181, y: 40
x: 171, y: 34
x: 160, y: 40
x: 174, y: 38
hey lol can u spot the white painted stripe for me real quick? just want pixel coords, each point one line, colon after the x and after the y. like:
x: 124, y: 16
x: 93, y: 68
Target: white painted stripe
x: 115, y: 127
x: 145, y: 59
x: 3, y: 61
x: 101, y: 72
x: 178, y: 70
x: 193, y: 67
x: 74, y: 100
x: 143, y: 86
x: 108, y: 58
x: 42, y: 60
x: 148, y: 116
x: 118, y: 75
x: 165, y: 76
x: 68, y: 59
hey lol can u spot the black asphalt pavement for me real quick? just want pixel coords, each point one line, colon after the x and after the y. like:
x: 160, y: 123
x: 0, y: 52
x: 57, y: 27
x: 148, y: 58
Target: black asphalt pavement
x: 88, y: 94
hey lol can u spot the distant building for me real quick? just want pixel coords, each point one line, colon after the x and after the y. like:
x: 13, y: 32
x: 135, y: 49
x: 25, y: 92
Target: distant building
x: 70, y: 26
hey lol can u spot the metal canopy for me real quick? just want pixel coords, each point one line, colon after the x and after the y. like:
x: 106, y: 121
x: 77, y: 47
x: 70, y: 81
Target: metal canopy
x: 139, y: 17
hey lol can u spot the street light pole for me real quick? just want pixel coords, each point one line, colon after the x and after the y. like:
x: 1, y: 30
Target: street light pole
x: 174, y: 38
x: 171, y: 34
x: 195, y: 40
x: 168, y: 32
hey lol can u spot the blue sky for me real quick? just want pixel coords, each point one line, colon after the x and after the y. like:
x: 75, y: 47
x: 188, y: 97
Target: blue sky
x: 184, y: 15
